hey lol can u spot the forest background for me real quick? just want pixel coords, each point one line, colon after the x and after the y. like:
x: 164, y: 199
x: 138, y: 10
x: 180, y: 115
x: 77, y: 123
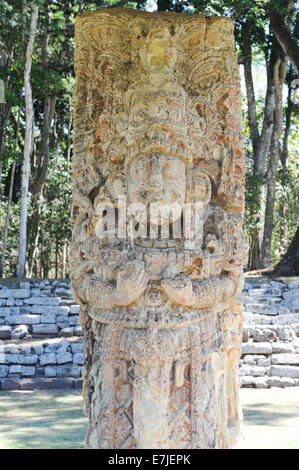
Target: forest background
x: 36, y: 127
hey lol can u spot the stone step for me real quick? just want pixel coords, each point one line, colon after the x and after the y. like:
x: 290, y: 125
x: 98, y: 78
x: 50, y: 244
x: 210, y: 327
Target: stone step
x: 257, y: 348
x: 265, y: 292
x: 247, y: 301
x: 267, y: 382
x: 285, y: 358
x: 262, y: 309
x: 271, y: 333
x: 284, y: 371
x: 291, y: 294
x: 40, y: 384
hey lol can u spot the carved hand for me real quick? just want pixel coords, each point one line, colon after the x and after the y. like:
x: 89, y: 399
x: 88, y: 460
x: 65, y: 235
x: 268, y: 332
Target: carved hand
x: 131, y: 283
x: 180, y: 290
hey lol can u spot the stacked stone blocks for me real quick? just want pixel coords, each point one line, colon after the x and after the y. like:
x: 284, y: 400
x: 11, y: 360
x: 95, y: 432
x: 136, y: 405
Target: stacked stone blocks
x: 270, y: 350
x: 49, y: 365
x: 38, y: 307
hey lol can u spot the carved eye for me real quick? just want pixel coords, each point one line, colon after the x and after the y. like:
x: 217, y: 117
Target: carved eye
x: 139, y: 116
x: 176, y: 114
x: 168, y: 171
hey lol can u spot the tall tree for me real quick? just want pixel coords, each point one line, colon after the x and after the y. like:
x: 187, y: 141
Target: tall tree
x: 27, y: 143
x: 282, y: 32
x: 280, y: 70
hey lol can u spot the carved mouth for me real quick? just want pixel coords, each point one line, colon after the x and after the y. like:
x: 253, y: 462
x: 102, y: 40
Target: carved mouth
x: 167, y: 146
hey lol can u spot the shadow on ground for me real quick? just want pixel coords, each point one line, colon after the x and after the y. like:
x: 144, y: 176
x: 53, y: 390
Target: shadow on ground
x: 54, y: 419
x: 42, y: 420
x: 271, y: 418
x: 257, y: 414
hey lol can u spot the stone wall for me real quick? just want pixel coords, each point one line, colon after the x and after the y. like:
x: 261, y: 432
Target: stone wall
x: 41, y: 365
x: 37, y: 315
x: 37, y: 308
x: 270, y: 350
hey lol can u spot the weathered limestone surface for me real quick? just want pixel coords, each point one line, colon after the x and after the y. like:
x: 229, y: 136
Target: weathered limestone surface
x: 158, y: 119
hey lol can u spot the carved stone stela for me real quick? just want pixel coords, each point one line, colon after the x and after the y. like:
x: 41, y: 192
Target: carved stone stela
x: 158, y: 119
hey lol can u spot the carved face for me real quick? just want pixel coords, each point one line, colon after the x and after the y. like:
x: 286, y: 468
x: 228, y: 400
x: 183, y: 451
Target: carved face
x: 157, y: 179
x: 153, y: 113
x: 201, y: 189
x: 158, y: 53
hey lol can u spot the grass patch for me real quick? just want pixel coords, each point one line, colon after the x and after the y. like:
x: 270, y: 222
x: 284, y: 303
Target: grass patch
x: 54, y: 419
x: 42, y: 420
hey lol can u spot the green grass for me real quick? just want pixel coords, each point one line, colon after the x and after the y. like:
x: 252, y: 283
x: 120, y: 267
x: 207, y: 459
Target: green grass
x: 54, y: 419
x: 42, y: 420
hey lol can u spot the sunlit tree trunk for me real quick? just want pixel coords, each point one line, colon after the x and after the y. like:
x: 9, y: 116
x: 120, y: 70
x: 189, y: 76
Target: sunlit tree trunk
x: 280, y: 69
x: 11, y: 184
x: 27, y: 144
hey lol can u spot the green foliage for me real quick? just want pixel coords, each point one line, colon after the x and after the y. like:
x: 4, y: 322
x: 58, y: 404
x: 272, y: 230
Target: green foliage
x: 58, y: 80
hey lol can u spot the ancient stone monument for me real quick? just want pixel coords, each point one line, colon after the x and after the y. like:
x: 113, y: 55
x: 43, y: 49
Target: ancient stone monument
x: 158, y: 123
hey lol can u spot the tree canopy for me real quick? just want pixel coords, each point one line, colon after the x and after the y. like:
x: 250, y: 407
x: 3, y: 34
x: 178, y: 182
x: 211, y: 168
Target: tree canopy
x: 39, y: 61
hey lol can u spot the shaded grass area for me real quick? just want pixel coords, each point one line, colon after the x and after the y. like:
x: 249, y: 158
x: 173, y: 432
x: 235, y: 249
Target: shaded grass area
x: 271, y: 418
x: 42, y: 420
x: 54, y: 419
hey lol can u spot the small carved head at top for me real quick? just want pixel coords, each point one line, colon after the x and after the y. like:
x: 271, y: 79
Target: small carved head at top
x: 158, y: 54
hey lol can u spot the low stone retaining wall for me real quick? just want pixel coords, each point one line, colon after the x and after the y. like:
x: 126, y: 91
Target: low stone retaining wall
x: 37, y: 308
x: 39, y: 365
x: 270, y: 333
x: 34, y: 309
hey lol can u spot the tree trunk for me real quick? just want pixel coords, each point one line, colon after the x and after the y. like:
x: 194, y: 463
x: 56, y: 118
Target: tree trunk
x: 284, y: 154
x: 280, y: 69
x: 288, y: 265
x: 288, y: 43
x: 27, y: 144
x: 260, y: 141
x: 44, y: 155
x: 4, y: 244
x: 251, y: 101
x: 4, y: 108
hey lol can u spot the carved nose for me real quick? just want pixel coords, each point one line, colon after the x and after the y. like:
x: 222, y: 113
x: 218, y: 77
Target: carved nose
x: 156, y: 178
x: 156, y: 182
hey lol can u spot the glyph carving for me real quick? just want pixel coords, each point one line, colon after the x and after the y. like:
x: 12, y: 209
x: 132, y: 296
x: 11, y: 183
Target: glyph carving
x: 158, y: 149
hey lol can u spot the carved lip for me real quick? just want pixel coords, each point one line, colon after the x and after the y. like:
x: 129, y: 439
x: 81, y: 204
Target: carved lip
x: 178, y: 150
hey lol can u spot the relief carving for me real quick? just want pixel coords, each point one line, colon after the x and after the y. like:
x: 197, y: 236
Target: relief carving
x: 158, y: 125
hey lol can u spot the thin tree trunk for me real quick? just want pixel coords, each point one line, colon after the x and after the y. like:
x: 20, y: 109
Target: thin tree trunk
x: 4, y: 244
x: 44, y: 156
x: 251, y: 101
x: 284, y: 154
x: 4, y: 115
x: 4, y: 108
x: 63, y: 262
x: 69, y: 134
x: 280, y: 69
x: 260, y: 140
x: 27, y: 145
x: 56, y: 259
x: 288, y: 43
